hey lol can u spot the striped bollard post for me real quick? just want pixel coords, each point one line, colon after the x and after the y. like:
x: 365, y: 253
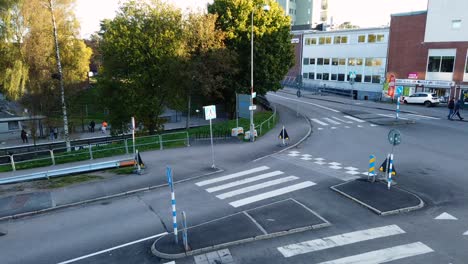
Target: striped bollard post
x: 398, y: 108
x: 389, y: 184
x: 173, y: 201
x: 371, y: 172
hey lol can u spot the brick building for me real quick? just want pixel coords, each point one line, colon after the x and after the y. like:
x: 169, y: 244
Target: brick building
x: 428, y: 49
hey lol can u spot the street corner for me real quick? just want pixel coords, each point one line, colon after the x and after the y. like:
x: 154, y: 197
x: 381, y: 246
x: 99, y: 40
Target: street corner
x: 264, y: 222
x: 23, y: 203
x: 378, y: 198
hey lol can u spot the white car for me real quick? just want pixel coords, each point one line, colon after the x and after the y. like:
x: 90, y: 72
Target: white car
x: 428, y: 99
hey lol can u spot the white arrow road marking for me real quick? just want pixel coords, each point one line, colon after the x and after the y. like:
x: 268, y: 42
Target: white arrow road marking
x: 445, y: 216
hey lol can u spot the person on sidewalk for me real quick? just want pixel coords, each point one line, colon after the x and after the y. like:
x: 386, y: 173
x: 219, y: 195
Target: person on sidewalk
x: 451, y: 106
x: 55, y: 133
x: 51, y: 133
x: 91, y: 126
x: 24, y: 136
x: 456, y: 110
x: 104, y: 127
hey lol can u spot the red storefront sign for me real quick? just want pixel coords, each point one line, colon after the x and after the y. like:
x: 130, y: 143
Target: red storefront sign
x: 413, y: 75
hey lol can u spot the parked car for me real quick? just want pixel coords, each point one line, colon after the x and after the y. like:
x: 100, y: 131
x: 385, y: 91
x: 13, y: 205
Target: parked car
x: 428, y: 99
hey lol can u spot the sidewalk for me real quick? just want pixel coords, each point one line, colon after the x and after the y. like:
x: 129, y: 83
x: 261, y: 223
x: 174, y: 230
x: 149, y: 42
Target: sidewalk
x: 195, y: 121
x: 187, y: 163
x: 255, y: 224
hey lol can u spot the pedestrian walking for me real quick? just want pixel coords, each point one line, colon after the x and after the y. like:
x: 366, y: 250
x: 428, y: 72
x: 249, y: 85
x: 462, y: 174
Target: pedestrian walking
x: 451, y: 107
x: 51, y: 133
x: 24, y: 136
x: 92, y: 125
x: 104, y: 126
x: 456, y: 110
x: 55, y: 133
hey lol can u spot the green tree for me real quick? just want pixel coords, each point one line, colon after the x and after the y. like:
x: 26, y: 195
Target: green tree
x: 138, y: 47
x: 205, y: 67
x: 273, y: 52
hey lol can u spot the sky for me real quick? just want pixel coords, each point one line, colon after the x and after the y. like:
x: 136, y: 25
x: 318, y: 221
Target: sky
x: 364, y: 13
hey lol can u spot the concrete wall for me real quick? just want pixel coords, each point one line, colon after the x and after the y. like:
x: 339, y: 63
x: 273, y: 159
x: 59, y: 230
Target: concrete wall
x: 441, y: 16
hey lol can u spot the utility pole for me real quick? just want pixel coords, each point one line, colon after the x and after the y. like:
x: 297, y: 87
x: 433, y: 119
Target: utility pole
x: 60, y: 73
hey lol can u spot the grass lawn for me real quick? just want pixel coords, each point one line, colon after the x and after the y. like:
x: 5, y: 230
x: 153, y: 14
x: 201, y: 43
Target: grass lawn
x: 64, y: 181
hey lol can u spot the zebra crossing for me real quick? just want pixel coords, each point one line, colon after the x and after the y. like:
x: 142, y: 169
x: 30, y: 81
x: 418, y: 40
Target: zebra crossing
x: 253, y: 185
x: 361, y: 236
x: 345, y: 121
x: 410, y: 116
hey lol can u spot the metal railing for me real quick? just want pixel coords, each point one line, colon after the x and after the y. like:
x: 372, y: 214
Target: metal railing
x: 90, y: 151
x: 271, y: 119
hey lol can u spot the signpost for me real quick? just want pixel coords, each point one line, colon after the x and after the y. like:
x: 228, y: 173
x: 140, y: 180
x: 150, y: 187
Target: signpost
x: 352, y: 78
x: 173, y: 201
x: 391, y: 86
x: 210, y: 113
x: 394, y: 137
x: 399, y: 92
x: 133, y: 135
x: 184, y: 231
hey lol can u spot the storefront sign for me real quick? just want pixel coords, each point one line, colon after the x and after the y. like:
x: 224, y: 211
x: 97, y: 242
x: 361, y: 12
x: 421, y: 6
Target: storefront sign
x: 294, y: 40
x: 441, y: 84
x: 413, y: 75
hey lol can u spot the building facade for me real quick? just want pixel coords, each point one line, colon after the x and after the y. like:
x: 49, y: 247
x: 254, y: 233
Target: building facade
x: 331, y: 58
x: 428, y: 49
x: 305, y: 12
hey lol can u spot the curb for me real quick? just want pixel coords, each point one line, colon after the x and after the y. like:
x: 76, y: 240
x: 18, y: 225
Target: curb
x: 159, y: 254
x: 102, y: 198
x: 392, y: 212
x: 292, y: 146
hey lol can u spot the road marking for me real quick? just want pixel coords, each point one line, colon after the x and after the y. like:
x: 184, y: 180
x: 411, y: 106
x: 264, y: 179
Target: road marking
x: 334, y: 167
x: 334, y: 163
x: 347, y: 127
x: 466, y: 233
x: 341, y: 120
x: 320, y: 162
x: 319, y: 159
x: 333, y: 127
x: 355, y: 119
x: 271, y: 194
x: 306, y: 158
x: 359, y: 126
x: 385, y: 255
x: 339, y: 240
x: 256, y: 187
x: 445, y: 216
x: 306, y: 155
x: 232, y: 176
x: 320, y: 128
x: 113, y: 248
x: 392, y: 116
x: 317, y: 105
x: 352, y: 172
x: 373, y: 125
x: 319, y: 122
x: 351, y: 168
x: 331, y: 121
x: 244, y: 181
x: 429, y: 117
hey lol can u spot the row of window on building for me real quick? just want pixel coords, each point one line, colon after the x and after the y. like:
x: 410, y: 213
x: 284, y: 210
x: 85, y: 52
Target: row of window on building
x: 342, y: 77
x: 370, y: 62
x: 327, y: 40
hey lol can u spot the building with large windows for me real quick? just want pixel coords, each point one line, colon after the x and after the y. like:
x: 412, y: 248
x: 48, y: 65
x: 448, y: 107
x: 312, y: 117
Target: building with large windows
x: 331, y: 58
x: 428, y: 49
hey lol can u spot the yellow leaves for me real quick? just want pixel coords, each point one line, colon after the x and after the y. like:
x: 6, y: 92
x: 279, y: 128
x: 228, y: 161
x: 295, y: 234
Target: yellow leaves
x: 15, y: 80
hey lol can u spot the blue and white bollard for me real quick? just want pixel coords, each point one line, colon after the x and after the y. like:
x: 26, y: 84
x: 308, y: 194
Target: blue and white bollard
x: 398, y: 108
x: 173, y: 202
x: 390, y: 167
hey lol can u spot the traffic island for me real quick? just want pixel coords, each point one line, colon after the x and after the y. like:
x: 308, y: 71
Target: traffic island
x: 376, y: 197
x: 272, y: 220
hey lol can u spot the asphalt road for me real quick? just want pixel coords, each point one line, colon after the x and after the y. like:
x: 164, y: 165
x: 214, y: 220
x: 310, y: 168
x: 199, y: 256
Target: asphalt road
x: 430, y: 162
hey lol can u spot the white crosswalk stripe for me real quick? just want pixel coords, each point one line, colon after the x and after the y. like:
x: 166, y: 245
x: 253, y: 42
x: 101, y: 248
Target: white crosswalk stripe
x: 271, y: 194
x: 341, y: 120
x: 385, y: 255
x: 329, y: 120
x: 256, y: 187
x: 319, y: 122
x: 244, y: 181
x: 355, y: 119
x: 239, y: 186
x: 232, y: 176
x: 371, y: 257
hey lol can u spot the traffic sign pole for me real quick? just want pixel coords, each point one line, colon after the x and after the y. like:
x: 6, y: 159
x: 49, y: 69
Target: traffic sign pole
x: 212, y: 148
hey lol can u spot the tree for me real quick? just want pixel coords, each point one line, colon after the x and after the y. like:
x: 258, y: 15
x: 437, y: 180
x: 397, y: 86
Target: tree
x: 347, y: 25
x: 205, y: 66
x: 273, y: 51
x: 138, y: 47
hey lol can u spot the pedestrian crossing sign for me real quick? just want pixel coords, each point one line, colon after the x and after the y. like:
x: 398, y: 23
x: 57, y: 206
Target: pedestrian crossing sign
x: 210, y: 112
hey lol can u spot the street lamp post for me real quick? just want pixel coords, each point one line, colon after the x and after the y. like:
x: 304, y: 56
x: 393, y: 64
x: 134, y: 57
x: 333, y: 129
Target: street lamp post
x: 252, y: 126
